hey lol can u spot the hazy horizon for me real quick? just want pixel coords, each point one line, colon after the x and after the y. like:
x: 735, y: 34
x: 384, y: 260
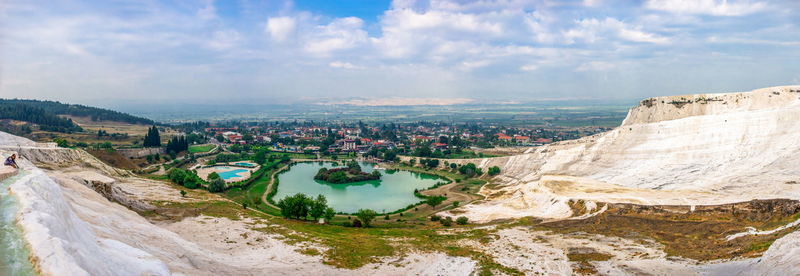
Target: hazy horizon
x: 101, y: 53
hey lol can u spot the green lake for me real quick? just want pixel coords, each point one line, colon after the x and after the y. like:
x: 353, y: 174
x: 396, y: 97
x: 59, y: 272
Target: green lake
x: 395, y: 189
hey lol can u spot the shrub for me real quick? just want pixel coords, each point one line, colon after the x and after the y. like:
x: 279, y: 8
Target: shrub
x: 183, y: 193
x: 462, y: 220
x: 435, y: 200
x: 213, y: 175
x: 295, y: 206
x: 456, y: 203
x: 356, y: 222
x: 386, y: 217
x: 446, y: 223
x: 366, y: 216
x: 494, y: 171
x: 435, y: 218
x: 217, y: 185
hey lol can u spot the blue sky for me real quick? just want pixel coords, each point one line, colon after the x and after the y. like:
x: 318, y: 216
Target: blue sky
x: 287, y: 51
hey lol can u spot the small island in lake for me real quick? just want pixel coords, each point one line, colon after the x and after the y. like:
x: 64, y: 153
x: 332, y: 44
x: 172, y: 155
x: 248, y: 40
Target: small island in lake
x: 351, y: 173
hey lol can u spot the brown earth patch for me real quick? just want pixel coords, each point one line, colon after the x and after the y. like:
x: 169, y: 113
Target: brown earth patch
x: 698, y: 234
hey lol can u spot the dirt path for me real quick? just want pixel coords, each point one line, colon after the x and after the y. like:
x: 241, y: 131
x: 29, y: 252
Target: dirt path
x: 270, y: 186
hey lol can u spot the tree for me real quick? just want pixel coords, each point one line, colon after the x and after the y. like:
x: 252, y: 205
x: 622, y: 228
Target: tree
x: 318, y: 207
x: 432, y: 163
x: 422, y: 151
x: 469, y: 169
x: 61, y: 142
x: 447, y: 221
x: 217, y: 185
x: 183, y: 193
x: 389, y: 155
x: 329, y: 213
x: 260, y: 157
x: 248, y: 138
x: 462, y: 220
x: 435, y: 200
x: 494, y: 170
x: 366, y: 216
x: 295, y: 206
x: 152, y: 138
x: 213, y: 175
x: 376, y: 173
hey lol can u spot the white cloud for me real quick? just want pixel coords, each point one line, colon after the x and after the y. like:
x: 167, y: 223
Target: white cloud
x: 595, y: 66
x: 593, y: 30
x: 709, y: 7
x: 472, y: 65
x: 222, y: 40
x: 343, y: 65
x: 281, y: 28
x: 341, y: 34
x: 529, y: 67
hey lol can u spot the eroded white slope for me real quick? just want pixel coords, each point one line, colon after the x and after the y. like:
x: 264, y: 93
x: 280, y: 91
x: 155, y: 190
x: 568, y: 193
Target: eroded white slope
x: 74, y: 230
x: 720, y: 148
x: 63, y: 244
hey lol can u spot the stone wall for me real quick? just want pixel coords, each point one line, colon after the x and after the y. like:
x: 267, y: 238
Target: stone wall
x: 140, y: 152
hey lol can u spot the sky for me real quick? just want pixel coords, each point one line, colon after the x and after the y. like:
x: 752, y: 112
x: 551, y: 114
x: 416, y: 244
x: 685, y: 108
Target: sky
x: 275, y: 51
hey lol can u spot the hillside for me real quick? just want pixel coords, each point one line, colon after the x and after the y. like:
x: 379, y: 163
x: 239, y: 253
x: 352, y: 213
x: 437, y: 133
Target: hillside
x: 49, y: 108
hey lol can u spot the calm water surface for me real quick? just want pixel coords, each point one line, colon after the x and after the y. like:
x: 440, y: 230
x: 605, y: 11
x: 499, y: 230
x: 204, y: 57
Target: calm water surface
x: 393, y: 191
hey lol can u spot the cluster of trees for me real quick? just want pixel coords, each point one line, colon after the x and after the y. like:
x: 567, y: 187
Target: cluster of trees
x: 177, y: 144
x: 495, y: 170
x: 448, y: 221
x: 301, y: 206
x: 114, y: 136
x: 470, y: 170
x: 430, y: 163
x: 215, y: 183
x: 96, y: 114
x: 152, y: 138
x: 351, y: 173
x: 184, y: 178
x: 47, y: 121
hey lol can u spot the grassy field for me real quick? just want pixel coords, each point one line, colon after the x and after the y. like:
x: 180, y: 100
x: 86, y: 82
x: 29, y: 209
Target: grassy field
x: 201, y: 148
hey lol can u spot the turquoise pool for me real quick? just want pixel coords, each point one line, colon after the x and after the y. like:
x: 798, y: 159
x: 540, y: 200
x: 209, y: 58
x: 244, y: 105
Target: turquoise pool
x: 244, y: 164
x: 231, y: 174
x: 13, y: 252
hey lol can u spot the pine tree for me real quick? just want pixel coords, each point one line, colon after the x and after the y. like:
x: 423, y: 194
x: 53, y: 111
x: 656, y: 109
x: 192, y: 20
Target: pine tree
x: 152, y: 138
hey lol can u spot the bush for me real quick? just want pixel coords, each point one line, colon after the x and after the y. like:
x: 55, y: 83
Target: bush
x: 217, y: 185
x: 462, y: 220
x: 295, y: 206
x: 435, y: 218
x: 447, y: 222
x: 456, y: 203
x: 356, y: 222
x: 494, y: 171
x: 435, y: 200
x: 366, y: 215
x: 213, y: 175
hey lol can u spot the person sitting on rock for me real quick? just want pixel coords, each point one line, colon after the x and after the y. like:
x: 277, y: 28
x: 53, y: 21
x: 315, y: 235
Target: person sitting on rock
x: 12, y: 161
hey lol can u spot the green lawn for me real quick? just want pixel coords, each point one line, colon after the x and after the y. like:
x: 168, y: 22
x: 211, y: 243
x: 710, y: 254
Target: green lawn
x: 200, y: 148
